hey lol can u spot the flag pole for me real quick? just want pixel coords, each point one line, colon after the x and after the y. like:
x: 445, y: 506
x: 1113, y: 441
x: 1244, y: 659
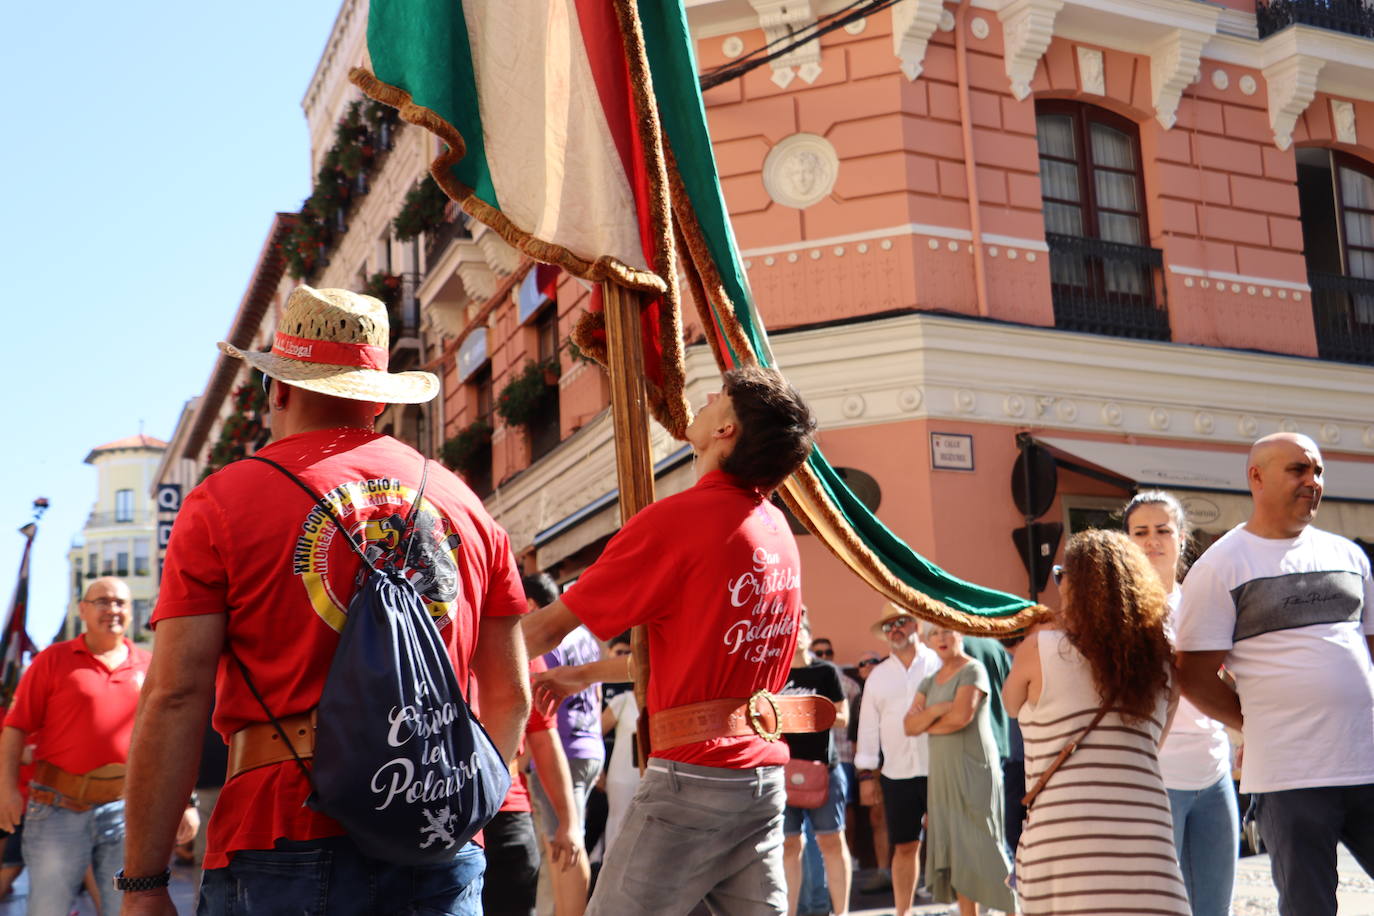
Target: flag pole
x: 633, y: 458
x: 14, y: 638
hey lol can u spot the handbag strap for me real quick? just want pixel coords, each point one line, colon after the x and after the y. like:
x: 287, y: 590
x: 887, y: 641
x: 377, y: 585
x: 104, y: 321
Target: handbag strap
x: 1064, y: 754
x: 319, y: 501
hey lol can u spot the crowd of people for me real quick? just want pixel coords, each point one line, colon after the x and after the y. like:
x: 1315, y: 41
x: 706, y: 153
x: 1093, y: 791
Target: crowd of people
x: 1086, y: 768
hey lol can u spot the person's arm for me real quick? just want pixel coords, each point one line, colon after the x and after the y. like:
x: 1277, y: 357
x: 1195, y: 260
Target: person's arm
x: 1025, y: 668
x: 501, y: 670
x: 165, y: 752
x: 866, y: 750
x: 920, y: 716
x: 557, y: 684
x: 545, y: 628
x: 551, y: 767
x: 960, y: 713
x: 11, y: 799
x: 1197, y: 672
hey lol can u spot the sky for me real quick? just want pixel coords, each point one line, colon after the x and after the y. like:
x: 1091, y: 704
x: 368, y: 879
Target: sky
x: 144, y: 153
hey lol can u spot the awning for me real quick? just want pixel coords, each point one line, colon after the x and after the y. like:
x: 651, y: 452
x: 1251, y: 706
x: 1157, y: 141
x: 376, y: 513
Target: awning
x: 1199, y: 469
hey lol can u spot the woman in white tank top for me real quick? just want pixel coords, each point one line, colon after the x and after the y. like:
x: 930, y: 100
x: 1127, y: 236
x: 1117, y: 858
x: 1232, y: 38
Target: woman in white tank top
x: 1195, y: 760
x: 1098, y: 839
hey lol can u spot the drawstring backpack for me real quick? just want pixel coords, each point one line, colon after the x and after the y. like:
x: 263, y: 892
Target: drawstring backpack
x: 400, y: 761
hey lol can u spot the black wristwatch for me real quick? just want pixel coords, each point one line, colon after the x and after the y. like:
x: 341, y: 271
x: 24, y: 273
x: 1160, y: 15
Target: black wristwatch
x: 149, y: 883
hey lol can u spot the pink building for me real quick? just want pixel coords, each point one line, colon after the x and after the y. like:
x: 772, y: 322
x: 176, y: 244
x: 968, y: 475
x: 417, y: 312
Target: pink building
x: 1140, y: 232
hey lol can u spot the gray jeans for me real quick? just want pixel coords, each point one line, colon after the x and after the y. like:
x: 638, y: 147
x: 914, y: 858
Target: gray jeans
x: 697, y: 833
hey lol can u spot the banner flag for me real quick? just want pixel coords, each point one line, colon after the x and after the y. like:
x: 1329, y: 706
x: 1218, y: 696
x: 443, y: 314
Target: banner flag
x: 577, y: 130
x: 15, y: 645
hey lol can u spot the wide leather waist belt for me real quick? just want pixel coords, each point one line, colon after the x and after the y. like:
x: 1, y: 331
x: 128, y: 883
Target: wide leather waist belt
x: 259, y: 744
x: 98, y: 787
x: 762, y: 714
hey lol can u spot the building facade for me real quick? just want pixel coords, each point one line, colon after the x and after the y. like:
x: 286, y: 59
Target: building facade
x: 1131, y: 236
x: 119, y: 537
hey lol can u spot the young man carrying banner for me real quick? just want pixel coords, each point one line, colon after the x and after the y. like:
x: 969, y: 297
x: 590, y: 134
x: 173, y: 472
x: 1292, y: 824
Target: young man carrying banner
x: 713, y: 574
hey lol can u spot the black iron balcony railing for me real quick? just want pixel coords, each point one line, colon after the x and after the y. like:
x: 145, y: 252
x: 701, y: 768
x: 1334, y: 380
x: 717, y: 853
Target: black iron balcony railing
x: 1353, y: 16
x: 1106, y: 287
x: 1343, y: 311
x: 404, y: 312
x: 437, y: 242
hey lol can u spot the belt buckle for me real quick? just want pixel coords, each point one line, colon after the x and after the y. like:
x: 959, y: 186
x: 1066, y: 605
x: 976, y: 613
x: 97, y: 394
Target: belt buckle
x: 756, y: 719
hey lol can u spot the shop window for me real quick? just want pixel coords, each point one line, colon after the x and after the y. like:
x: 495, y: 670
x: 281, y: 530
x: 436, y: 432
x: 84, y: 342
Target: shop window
x: 1104, y: 276
x: 545, y: 430
x: 124, y: 506
x: 1336, y: 200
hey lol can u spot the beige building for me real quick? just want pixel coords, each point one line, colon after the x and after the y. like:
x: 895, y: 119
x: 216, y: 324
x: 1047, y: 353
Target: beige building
x: 119, y: 538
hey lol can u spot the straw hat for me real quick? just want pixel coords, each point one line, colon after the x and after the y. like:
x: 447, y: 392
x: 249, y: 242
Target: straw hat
x: 890, y: 612
x: 337, y: 342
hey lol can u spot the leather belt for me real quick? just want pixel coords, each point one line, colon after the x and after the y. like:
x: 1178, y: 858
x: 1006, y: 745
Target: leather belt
x: 98, y: 787
x: 762, y: 714
x: 260, y: 744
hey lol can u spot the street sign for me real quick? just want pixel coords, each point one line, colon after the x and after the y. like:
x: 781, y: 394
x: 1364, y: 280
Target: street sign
x: 164, y: 534
x: 1037, y: 546
x: 1033, y: 492
x: 169, y: 497
x: 951, y: 452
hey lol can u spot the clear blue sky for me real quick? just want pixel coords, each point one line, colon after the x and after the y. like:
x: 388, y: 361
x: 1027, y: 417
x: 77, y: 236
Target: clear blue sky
x: 145, y: 149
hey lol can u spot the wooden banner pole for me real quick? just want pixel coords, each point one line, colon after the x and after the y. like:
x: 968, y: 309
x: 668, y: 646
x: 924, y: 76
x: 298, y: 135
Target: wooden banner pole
x: 633, y: 458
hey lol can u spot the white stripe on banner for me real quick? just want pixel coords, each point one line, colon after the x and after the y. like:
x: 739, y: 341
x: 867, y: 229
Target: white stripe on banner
x: 552, y: 159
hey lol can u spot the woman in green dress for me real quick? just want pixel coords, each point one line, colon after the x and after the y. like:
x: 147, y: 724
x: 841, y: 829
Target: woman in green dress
x: 965, y: 856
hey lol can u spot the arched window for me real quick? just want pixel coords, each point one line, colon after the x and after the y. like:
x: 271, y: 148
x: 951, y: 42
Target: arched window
x: 1102, y: 271
x: 1336, y: 197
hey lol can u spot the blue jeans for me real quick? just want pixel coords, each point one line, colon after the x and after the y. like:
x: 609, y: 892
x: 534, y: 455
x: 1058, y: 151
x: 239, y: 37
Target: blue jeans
x: 1207, y: 837
x: 60, y: 844
x: 330, y: 877
x: 815, y: 890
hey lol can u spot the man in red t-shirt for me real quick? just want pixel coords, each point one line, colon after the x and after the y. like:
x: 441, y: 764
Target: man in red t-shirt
x: 713, y: 574
x: 77, y: 699
x: 258, y: 573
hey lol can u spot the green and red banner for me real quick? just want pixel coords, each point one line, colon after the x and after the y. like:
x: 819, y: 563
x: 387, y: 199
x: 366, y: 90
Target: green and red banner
x: 576, y: 129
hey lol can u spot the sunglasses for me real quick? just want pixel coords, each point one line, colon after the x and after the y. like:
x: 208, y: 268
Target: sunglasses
x: 823, y: 653
x: 896, y: 624
x: 868, y: 663
x: 1057, y: 572
x: 266, y: 385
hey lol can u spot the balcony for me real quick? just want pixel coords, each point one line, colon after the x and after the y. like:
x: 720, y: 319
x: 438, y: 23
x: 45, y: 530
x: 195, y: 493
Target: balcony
x: 1353, y: 17
x: 403, y: 311
x: 1343, y: 312
x: 111, y: 519
x: 452, y: 229
x: 1106, y: 287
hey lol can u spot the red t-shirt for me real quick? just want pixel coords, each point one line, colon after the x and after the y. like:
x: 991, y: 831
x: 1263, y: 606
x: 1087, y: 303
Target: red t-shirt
x: 714, y: 574
x: 251, y: 544
x: 80, y: 712
x: 518, y: 798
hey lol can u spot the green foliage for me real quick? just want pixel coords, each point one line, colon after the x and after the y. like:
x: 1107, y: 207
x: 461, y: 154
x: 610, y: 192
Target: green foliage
x: 423, y: 210
x: 528, y: 392
x: 384, y: 286
x: 362, y: 134
x: 244, y: 429
x: 466, y: 450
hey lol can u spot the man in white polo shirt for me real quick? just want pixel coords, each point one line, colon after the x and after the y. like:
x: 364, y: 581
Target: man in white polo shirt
x: 888, y: 693
x: 1289, y: 609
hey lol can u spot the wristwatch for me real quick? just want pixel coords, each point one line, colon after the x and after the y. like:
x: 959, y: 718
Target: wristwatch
x: 148, y: 883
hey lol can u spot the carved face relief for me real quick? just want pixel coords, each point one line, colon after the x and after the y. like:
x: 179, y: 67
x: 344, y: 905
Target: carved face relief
x: 800, y: 170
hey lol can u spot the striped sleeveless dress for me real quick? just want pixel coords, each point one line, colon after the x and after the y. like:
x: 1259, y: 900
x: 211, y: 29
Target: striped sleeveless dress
x: 1099, y: 838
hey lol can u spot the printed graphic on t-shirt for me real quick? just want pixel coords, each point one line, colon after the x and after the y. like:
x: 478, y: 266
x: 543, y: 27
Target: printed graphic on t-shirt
x: 375, y: 511
x: 764, y: 589
x: 1297, y: 600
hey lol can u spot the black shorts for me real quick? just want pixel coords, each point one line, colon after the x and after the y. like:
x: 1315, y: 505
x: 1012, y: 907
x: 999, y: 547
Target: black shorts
x: 904, y: 803
x: 512, y: 875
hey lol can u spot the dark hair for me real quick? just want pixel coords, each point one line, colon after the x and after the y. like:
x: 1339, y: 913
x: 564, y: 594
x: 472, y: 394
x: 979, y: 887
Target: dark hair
x: 775, y: 427
x: 540, y: 588
x: 620, y: 638
x: 1176, y: 512
x: 1115, y: 616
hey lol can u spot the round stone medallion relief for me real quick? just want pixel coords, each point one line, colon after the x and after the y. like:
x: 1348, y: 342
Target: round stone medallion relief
x: 800, y: 170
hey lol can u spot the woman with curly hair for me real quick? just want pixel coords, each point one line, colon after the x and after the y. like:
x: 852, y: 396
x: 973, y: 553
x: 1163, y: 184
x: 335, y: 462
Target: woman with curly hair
x: 1098, y: 838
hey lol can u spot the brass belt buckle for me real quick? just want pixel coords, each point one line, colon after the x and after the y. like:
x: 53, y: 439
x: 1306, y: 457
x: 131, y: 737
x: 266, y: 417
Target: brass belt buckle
x: 756, y: 720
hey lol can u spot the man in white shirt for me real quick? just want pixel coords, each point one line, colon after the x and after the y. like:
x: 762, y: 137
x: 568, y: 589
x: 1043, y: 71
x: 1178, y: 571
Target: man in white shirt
x: 1289, y: 609
x: 888, y: 693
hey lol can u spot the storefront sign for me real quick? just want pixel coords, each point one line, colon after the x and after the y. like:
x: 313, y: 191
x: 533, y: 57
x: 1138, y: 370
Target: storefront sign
x: 472, y: 354
x: 169, y: 497
x: 951, y: 452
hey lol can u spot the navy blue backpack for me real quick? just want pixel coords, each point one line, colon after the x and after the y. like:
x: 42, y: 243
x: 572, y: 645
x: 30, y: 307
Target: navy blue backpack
x: 400, y: 761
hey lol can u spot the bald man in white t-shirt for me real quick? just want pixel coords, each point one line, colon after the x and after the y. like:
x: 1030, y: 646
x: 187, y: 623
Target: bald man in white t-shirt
x: 1289, y: 609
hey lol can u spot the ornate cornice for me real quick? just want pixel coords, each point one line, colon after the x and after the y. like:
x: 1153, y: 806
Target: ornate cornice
x: 1292, y: 85
x: 1174, y: 64
x: 1027, y: 27
x: 913, y: 22
x: 780, y: 19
